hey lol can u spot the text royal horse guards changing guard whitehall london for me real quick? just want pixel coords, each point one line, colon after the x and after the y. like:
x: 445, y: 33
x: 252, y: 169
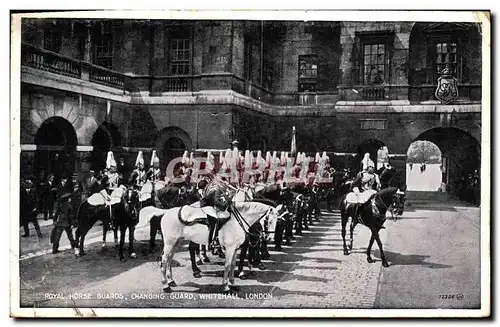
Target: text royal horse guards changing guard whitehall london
x: 314, y: 167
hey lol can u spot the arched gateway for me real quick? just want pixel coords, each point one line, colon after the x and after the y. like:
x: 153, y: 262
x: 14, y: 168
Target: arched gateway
x: 56, y: 143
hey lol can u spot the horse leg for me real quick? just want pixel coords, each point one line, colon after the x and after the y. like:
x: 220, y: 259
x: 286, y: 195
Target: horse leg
x: 152, y: 235
x: 172, y: 283
x: 231, y: 273
x: 228, y: 265
x: 354, y: 222
x: 131, y: 232
x: 166, y: 276
x: 243, y: 254
x: 123, y: 230
x: 104, y: 232
x: 115, y: 232
x: 82, y: 241
x: 204, y: 253
x: 192, y: 256
x: 382, y: 255
x: 77, y: 242
x: 344, y: 218
x: 198, y: 253
x: 369, y: 250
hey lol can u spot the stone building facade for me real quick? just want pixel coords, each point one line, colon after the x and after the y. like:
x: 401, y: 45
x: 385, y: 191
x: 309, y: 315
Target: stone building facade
x: 88, y: 86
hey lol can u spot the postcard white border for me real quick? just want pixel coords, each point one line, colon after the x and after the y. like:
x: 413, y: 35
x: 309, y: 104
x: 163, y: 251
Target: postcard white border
x: 405, y: 15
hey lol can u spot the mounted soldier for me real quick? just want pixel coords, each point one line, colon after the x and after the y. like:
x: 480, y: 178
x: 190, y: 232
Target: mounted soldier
x: 366, y: 184
x: 114, y: 179
x: 139, y: 176
x: 218, y: 194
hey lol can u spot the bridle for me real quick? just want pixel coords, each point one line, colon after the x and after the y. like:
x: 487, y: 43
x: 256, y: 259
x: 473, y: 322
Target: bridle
x: 245, y: 225
x: 393, y: 210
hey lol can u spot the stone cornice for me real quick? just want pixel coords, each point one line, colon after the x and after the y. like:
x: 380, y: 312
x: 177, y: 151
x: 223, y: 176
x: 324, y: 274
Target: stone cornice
x: 229, y: 97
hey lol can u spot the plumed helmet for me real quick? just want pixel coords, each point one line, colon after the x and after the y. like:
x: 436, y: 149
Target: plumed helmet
x: 155, y: 161
x: 110, y: 161
x: 283, y: 158
x: 185, y: 158
x: 191, y: 160
x: 367, y: 162
x: 317, y: 158
x: 235, y: 155
x: 248, y: 158
x: 140, y: 159
x: 268, y: 159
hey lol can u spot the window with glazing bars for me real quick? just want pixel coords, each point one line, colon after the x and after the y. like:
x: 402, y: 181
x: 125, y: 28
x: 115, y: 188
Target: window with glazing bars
x: 446, y: 53
x: 374, y: 63
x: 180, y: 56
x: 103, y: 45
x: 308, y: 73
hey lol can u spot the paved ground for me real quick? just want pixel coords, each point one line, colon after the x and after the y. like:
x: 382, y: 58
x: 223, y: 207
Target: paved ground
x: 432, y: 253
x: 435, y: 255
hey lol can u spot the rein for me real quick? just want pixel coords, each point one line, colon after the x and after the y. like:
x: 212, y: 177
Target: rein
x: 388, y: 208
x: 241, y: 221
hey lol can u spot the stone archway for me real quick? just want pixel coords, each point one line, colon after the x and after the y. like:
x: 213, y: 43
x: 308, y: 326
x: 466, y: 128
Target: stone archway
x: 461, y: 154
x: 105, y: 137
x: 171, y: 143
x: 424, y: 166
x: 370, y: 146
x: 56, y: 142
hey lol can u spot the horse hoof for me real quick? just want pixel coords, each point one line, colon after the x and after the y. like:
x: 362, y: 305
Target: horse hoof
x: 103, y: 245
x: 242, y: 276
x: 385, y: 264
x: 133, y: 255
x: 197, y: 274
x: 262, y: 267
x: 346, y: 252
x: 206, y: 259
x: 116, y: 240
x: 167, y: 289
x: 370, y: 260
x: 253, y: 273
x: 199, y: 262
x: 172, y: 284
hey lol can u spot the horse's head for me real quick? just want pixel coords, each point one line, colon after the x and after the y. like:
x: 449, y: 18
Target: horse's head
x: 398, y: 201
x: 130, y: 199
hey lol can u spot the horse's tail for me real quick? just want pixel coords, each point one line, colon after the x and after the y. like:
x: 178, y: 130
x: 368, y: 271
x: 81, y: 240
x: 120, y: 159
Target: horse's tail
x: 148, y: 213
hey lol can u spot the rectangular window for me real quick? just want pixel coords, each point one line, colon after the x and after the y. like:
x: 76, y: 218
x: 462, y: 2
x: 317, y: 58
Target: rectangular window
x: 373, y: 124
x: 103, y: 45
x: 374, y: 56
x: 52, y: 38
x: 180, y: 56
x: 446, y: 53
x: 308, y: 73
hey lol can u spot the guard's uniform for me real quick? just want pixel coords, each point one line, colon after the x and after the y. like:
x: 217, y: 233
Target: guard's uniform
x: 63, y: 223
x: 138, y: 177
x: 366, y: 183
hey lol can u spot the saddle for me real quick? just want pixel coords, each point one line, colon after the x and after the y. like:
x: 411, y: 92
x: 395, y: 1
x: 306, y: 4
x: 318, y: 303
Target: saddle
x: 191, y: 215
x: 97, y: 199
x: 361, y: 198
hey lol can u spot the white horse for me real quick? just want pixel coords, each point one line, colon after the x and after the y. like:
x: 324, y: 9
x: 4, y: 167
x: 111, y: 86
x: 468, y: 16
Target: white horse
x: 180, y: 222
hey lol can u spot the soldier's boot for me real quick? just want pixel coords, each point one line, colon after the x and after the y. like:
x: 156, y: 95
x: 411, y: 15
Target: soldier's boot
x: 214, y: 227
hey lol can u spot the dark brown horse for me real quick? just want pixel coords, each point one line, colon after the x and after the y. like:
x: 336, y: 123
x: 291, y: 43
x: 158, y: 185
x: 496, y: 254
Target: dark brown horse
x: 120, y: 215
x: 372, y: 214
